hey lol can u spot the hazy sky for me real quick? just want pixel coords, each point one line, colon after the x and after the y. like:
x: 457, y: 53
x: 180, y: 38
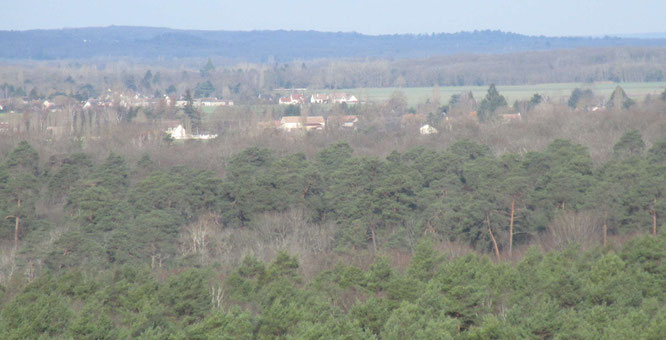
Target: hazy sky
x: 533, y: 17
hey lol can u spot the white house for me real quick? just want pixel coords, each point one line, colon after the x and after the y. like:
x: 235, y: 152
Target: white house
x: 215, y: 102
x: 294, y: 99
x: 296, y: 122
x: 179, y: 133
x: 427, y: 130
x: 339, y: 98
x: 318, y: 98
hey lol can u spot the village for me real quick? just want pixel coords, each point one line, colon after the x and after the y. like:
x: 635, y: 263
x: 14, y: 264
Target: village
x: 294, y: 114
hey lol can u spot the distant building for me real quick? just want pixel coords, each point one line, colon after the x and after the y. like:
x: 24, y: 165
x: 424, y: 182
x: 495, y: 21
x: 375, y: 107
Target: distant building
x: 347, y: 122
x: 319, y: 98
x: 294, y: 99
x: 340, y: 98
x: 511, y: 116
x: 214, y: 102
x: 427, y: 130
x: 291, y: 123
x: 179, y: 133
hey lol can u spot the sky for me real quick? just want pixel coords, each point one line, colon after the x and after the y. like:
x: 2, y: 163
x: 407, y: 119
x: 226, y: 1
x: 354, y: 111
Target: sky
x: 531, y: 17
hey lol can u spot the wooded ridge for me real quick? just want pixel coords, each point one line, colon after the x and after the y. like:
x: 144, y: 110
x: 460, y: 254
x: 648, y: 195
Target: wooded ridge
x: 280, y: 46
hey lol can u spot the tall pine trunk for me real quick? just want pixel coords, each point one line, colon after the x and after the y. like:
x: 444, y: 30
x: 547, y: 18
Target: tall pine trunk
x: 17, y: 227
x: 374, y: 238
x: 497, y: 253
x: 513, y: 210
x: 654, y: 217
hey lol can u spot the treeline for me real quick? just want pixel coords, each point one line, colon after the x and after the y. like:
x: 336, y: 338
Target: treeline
x: 614, y: 293
x: 249, y: 83
x: 118, y: 213
x: 281, y: 46
x: 115, y: 249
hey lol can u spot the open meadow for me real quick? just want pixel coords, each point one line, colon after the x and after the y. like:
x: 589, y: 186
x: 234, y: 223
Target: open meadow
x: 557, y: 92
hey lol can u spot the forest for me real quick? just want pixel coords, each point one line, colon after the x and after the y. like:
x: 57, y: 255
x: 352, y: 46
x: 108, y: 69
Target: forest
x: 278, y: 45
x: 538, y: 218
x: 451, y: 243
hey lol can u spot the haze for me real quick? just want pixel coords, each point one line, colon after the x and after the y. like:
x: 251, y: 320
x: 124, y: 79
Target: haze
x: 560, y: 18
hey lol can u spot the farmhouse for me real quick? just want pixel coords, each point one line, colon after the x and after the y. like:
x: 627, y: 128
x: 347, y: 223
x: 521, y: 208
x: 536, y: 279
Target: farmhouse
x: 291, y: 123
x: 319, y: 98
x: 294, y: 99
x: 427, y: 130
x: 214, y: 102
x: 345, y: 122
x: 179, y: 133
x: 339, y: 98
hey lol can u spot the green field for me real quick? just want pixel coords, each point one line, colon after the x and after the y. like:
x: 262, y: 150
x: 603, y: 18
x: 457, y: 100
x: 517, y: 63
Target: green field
x: 556, y: 91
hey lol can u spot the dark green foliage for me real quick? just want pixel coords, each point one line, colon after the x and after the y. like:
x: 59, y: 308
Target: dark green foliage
x: 619, y: 100
x: 567, y: 294
x: 203, y: 90
x: 187, y: 294
x: 190, y: 111
x: 631, y: 144
x: 180, y: 190
x: 489, y: 105
x: 292, y: 110
x: 224, y: 326
x: 38, y: 311
x: 580, y: 98
x: 24, y: 158
x: 112, y: 265
x: 113, y: 174
x: 534, y: 101
x: 208, y: 68
x: 73, y: 168
x: 19, y: 190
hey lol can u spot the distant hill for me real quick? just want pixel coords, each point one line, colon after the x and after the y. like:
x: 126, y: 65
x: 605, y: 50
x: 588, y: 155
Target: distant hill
x: 654, y: 35
x: 262, y: 46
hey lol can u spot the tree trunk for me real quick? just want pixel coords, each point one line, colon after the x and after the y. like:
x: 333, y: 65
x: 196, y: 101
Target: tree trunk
x: 497, y: 253
x: 654, y: 217
x: 374, y: 239
x: 605, y: 232
x: 17, y: 228
x: 513, y: 209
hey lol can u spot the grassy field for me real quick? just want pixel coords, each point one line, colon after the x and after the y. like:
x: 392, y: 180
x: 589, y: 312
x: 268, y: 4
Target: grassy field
x: 556, y: 91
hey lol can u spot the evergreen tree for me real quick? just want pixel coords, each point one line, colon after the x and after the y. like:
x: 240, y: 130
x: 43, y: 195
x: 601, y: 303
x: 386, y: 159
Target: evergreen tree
x: 489, y: 105
x: 619, y: 100
x: 631, y: 144
x: 208, y: 68
x: 190, y: 111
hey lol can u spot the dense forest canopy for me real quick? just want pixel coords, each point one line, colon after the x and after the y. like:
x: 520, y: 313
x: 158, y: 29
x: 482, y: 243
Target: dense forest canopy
x: 127, y: 234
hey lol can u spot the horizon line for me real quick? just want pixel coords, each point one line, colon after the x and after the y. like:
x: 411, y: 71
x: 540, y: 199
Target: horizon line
x: 642, y: 36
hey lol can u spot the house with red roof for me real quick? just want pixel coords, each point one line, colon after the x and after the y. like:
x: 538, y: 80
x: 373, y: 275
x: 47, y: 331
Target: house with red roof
x: 294, y: 99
